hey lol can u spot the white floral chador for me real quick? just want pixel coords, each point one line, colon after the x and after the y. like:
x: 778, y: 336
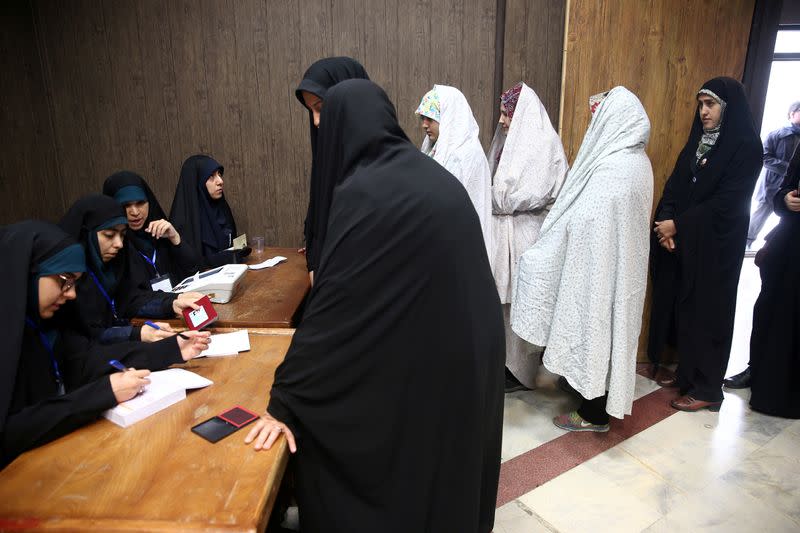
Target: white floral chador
x: 528, y: 167
x: 459, y: 150
x: 580, y: 289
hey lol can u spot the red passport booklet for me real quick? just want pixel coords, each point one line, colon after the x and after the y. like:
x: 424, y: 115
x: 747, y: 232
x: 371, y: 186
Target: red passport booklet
x: 200, y: 318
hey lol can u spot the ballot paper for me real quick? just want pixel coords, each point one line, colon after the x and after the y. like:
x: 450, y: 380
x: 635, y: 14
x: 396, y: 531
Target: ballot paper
x: 166, y: 387
x: 227, y: 344
x: 268, y: 263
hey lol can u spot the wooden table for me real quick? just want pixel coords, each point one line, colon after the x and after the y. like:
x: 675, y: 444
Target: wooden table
x: 157, y: 474
x: 268, y: 298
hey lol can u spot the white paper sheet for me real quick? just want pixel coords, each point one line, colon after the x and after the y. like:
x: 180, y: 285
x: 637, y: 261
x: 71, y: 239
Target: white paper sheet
x: 268, y: 263
x: 227, y: 344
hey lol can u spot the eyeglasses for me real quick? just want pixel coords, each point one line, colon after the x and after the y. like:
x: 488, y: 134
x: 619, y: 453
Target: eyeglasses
x: 67, y: 282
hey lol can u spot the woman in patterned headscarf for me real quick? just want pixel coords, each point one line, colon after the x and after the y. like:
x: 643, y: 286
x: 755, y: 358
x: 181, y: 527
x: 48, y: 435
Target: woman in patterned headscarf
x: 452, y: 141
x: 698, y: 245
x: 528, y: 166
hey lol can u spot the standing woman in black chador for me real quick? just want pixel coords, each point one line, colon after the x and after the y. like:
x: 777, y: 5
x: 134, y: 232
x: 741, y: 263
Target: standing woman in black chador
x: 775, y: 341
x: 158, y: 258
x: 104, y: 307
x: 200, y: 213
x: 698, y: 245
x: 381, y: 444
x: 320, y: 76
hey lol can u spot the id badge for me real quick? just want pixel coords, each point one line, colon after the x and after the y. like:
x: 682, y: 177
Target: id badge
x: 161, y: 283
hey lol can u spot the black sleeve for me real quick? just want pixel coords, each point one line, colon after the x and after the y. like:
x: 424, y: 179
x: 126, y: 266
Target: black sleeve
x: 135, y: 301
x: 791, y: 181
x: 666, y: 206
x: 772, y: 160
x: 87, y: 360
x: 49, y: 419
x: 185, y: 262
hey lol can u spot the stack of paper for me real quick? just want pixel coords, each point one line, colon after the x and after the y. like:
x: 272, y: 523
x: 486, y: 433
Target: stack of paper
x: 166, y: 388
x: 227, y: 344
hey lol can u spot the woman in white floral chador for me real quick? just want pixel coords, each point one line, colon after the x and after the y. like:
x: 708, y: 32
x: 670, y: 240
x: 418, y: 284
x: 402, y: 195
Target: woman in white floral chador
x: 528, y: 167
x: 581, y: 287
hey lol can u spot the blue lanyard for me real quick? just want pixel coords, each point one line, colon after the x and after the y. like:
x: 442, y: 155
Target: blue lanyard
x: 49, y: 348
x: 152, y: 261
x: 105, y: 294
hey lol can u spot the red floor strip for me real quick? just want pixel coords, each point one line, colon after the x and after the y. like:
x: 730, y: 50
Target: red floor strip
x: 525, y: 472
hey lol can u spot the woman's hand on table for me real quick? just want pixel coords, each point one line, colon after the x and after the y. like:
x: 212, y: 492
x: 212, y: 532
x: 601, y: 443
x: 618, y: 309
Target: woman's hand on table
x: 192, y: 343
x: 266, y: 430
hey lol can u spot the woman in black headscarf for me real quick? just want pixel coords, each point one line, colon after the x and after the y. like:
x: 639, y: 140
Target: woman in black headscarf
x: 698, y: 247
x: 404, y: 301
x: 320, y: 77
x: 158, y: 259
x: 103, y: 307
x: 200, y: 212
x: 47, y: 390
x: 775, y: 341
x: 55, y: 380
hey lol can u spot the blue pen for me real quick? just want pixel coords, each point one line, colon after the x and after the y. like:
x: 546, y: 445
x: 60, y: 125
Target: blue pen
x: 155, y: 326
x: 116, y: 364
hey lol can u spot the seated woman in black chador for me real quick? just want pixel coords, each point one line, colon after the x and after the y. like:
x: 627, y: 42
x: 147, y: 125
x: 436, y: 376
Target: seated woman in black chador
x: 158, y: 259
x: 104, y: 306
x: 320, y: 76
x: 775, y: 341
x: 201, y: 214
x: 698, y: 245
x: 54, y: 380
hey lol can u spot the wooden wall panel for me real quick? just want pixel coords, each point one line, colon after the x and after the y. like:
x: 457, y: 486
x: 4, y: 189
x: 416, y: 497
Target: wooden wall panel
x: 533, y: 49
x: 659, y: 49
x: 29, y: 187
x: 143, y: 84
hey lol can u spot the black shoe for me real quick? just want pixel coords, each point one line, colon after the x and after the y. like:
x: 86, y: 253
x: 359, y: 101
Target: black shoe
x: 739, y: 381
x: 512, y: 383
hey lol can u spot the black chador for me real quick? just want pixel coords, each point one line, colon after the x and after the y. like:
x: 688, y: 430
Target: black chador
x: 403, y: 301
x: 694, y: 287
x: 775, y: 341
x: 320, y: 77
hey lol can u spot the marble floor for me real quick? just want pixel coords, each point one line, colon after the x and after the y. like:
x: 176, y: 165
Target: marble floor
x: 660, y: 469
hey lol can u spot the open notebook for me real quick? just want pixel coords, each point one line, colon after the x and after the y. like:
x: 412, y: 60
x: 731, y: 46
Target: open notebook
x: 166, y: 388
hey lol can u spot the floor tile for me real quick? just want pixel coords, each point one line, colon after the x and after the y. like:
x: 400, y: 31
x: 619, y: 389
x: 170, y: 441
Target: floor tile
x: 723, y: 507
x: 582, y: 500
x: 771, y: 474
x: 516, y: 517
x: 689, y: 450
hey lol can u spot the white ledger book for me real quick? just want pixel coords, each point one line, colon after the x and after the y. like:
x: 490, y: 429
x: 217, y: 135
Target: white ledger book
x: 166, y: 388
x: 227, y: 344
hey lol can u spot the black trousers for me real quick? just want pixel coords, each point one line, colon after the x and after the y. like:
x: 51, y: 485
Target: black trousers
x: 594, y: 410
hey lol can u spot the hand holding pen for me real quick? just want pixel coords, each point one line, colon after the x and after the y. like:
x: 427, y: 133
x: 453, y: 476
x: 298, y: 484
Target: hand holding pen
x: 155, y: 331
x: 127, y: 383
x: 190, y: 343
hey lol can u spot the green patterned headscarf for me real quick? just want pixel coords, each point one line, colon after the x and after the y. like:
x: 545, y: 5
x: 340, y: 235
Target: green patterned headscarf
x: 429, y: 106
